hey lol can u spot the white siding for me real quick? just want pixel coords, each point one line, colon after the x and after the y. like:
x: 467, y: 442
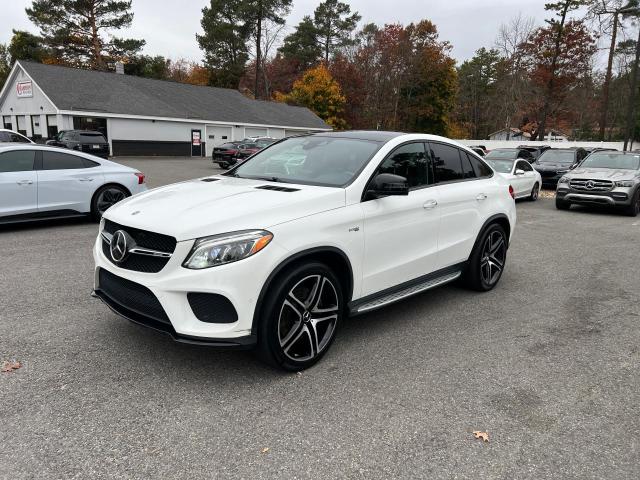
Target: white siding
x: 148, y: 130
x: 35, y: 105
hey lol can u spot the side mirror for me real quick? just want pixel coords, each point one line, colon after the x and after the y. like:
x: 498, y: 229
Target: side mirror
x: 386, y: 184
x: 519, y: 171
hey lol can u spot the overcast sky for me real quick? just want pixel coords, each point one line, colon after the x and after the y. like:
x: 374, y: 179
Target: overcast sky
x: 169, y: 26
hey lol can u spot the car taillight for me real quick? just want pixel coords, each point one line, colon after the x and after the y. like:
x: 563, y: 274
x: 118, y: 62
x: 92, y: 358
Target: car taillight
x: 511, y: 192
x: 140, y: 177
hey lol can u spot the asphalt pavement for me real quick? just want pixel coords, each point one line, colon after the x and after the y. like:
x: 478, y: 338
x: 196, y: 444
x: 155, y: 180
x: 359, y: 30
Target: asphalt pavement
x: 548, y: 364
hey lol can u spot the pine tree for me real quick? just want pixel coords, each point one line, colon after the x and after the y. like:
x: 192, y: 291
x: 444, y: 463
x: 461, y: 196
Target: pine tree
x: 26, y: 46
x: 80, y: 31
x: 335, y: 23
x: 302, y: 45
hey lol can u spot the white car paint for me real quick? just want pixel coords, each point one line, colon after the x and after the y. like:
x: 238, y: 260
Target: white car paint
x: 41, y: 191
x: 388, y: 241
x: 524, y: 180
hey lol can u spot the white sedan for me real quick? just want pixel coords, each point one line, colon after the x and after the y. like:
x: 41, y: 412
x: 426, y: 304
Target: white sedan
x: 38, y: 182
x: 523, y: 178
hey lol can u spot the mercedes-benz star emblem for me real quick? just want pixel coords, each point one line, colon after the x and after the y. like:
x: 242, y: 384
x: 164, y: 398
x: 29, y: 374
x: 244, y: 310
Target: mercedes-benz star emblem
x: 590, y: 184
x: 118, y: 246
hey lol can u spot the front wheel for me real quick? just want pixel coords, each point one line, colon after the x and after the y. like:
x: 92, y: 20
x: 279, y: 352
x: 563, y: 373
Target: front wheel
x: 301, y: 317
x: 487, y: 260
x: 634, y: 208
x: 562, y: 205
x: 535, y: 191
x: 104, y: 198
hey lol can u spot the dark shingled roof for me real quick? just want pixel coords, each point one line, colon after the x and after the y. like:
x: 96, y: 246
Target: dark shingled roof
x: 88, y: 90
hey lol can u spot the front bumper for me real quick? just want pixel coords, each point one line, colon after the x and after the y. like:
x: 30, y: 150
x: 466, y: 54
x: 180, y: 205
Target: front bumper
x: 239, y: 282
x: 618, y: 197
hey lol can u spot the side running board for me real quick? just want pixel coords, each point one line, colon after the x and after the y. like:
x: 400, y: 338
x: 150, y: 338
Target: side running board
x: 404, y: 293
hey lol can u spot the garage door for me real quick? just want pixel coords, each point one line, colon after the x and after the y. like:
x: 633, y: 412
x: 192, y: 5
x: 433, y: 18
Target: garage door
x: 216, y: 136
x: 255, y: 132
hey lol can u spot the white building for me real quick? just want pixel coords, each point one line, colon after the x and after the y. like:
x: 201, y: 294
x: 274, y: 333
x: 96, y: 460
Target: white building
x: 141, y: 116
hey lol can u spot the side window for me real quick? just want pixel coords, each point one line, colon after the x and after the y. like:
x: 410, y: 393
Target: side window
x: 481, y: 168
x: 525, y: 166
x: 89, y: 163
x: 446, y: 162
x: 17, y: 161
x: 467, y: 167
x: 61, y: 161
x: 409, y: 161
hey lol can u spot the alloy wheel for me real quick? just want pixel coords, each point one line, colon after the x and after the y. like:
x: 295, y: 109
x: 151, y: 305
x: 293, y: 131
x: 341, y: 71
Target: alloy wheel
x: 535, y: 192
x: 494, y: 254
x: 108, y: 197
x: 308, y: 318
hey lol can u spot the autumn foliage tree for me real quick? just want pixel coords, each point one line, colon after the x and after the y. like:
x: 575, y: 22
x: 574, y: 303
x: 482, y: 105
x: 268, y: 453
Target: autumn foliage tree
x: 318, y: 91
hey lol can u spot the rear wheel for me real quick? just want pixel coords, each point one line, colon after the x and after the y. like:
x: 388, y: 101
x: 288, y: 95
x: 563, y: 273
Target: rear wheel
x: 487, y: 260
x: 301, y: 317
x: 634, y: 208
x: 535, y: 191
x: 562, y: 205
x: 105, y: 197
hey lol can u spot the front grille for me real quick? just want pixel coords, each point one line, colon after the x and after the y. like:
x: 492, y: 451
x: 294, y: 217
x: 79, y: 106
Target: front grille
x: 144, y: 239
x: 132, y: 296
x: 588, y: 185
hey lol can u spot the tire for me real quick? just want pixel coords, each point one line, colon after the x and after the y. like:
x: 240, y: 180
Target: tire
x: 562, y: 205
x: 105, y: 197
x: 535, y: 191
x: 304, y: 303
x: 488, y: 259
x: 633, y: 209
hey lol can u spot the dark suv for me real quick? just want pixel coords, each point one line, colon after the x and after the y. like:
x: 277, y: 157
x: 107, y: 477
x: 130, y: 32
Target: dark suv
x: 555, y: 162
x: 84, y: 141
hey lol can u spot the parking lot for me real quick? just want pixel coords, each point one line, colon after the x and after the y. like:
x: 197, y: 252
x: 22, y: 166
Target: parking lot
x: 547, y: 363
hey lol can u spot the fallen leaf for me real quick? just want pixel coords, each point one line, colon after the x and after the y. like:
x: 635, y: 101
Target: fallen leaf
x: 10, y: 366
x: 483, y: 435
x: 264, y: 450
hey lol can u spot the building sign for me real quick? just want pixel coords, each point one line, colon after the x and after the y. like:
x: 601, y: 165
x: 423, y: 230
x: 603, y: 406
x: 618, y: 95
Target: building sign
x: 195, y: 137
x: 24, y: 89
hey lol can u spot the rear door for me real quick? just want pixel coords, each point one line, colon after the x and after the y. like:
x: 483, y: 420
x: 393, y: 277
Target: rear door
x: 67, y: 182
x: 464, y: 195
x: 401, y: 232
x: 523, y: 184
x: 18, y: 183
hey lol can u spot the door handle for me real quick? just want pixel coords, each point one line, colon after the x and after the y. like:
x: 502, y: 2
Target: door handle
x: 429, y: 204
x: 481, y: 197
x: 86, y: 179
x: 25, y: 182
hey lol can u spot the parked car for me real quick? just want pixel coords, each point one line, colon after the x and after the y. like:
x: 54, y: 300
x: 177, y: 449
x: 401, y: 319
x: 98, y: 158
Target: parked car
x: 478, y: 150
x: 521, y: 176
x: 509, y: 154
x: 263, y: 141
x: 535, y: 150
x: 87, y: 141
x: 277, y: 251
x: 555, y: 162
x: 245, y: 150
x: 9, y: 136
x: 591, y: 150
x: 224, y: 155
x: 603, y: 178
x: 38, y: 181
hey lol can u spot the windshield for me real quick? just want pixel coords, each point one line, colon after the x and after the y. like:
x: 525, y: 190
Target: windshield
x: 558, y: 156
x: 501, y: 154
x: 313, y: 160
x: 501, y: 166
x: 612, y: 160
x: 92, y: 137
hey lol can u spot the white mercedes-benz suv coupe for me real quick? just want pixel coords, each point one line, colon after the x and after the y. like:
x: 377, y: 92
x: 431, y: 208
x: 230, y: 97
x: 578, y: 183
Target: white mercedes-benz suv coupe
x: 276, y: 252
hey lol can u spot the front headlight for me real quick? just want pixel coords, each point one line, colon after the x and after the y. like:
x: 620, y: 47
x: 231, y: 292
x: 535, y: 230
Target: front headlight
x: 624, y: 183
x: 563, y: 171
x: 226, y: 248
x: 563, y: 180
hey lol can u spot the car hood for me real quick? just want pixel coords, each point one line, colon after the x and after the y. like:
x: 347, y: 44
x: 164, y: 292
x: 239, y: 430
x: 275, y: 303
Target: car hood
x: 203, y: 207
x: 604, y: 173
x: 551, y: 167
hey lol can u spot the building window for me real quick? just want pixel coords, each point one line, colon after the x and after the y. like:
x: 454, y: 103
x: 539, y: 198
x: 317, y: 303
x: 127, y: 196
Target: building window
x: 52, y: 126
x: 22, y: 125
x: 6, y: 121
x: 91, y: 123
x: 36, y: 131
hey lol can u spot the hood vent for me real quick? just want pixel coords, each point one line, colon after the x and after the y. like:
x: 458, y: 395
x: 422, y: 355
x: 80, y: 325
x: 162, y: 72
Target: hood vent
x: 278, y: 189
x: 209, y: 179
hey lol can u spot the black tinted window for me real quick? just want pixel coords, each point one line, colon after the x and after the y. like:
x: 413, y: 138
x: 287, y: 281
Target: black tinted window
x: 12, y: 137
x: 92, y: 138
x: 481, y: 168
x: 467, y: 167
x: 17, y: 161
x: 524, y: 166
x: 409, y: 161
x: 61, y: 161
x: 446, y: 162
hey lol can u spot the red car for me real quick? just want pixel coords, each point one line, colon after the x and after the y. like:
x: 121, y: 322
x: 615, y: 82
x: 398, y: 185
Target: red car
x: 246, y: 150
x: 225, y: 154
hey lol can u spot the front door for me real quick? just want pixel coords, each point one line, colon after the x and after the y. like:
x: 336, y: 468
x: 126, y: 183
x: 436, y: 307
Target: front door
x: 18, y: 183
x: 401, y: 232
x: 196, y: 143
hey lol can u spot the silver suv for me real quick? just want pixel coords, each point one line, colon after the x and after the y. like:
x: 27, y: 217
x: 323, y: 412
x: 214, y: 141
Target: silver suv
x: 603, y: 178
